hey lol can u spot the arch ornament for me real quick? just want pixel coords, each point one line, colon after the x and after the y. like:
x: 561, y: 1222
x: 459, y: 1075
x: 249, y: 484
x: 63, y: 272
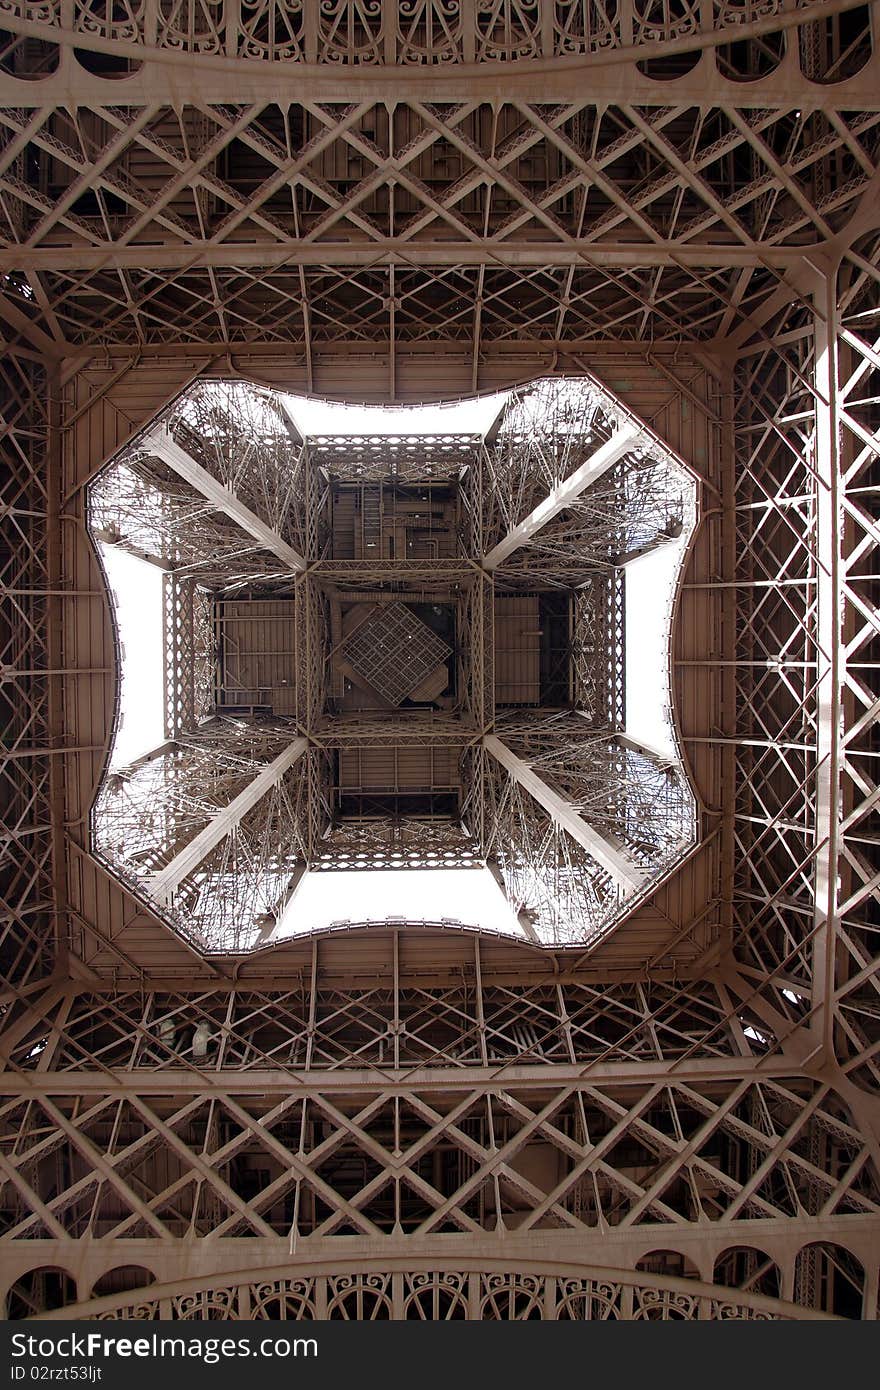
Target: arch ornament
x: 468, y: 1290
x: 371, y: 34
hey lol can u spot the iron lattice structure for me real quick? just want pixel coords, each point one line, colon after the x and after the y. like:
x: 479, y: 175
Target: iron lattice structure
x: 612, y: 817
x: 697, y: 1091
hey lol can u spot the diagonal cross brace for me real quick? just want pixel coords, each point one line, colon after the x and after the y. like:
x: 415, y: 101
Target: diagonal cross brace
x: 628, y: 875
x: 162, y: 446
x: 565, y: 493
x: 161, y: 885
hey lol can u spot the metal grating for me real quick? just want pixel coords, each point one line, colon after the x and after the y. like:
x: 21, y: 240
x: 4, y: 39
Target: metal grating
x: 394, y: 651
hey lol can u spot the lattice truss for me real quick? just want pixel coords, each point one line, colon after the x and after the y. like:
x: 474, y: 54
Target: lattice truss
x: 247, y: 441
x: 406, y: 842
x: 164, y: 799
x: 724, y: 1130
x: 852, y: 898
x: 723, y: 1125
x: 190, y: 654
x: 241, y: 887
x: 556, y: 887
x: 640, y: 805
x: 807, y: 674
x: 627, y: 494
x: 598, y: 649
x: 641, y: 802
x: 394, y: 652
x: 146, y: 813
x: 480, y: 1017
x: 475, y: 651
x: 312, y: 644
x: 545, y: 187
x: 145, y: 508
x: 27, y: 575
x: 649, y: 505
x: 764, y: 1163
x: 415, y: 458
x: 635, y: 494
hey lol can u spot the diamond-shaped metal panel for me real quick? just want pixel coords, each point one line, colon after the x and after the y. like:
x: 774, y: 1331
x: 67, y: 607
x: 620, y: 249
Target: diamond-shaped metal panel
x: 394, y: 651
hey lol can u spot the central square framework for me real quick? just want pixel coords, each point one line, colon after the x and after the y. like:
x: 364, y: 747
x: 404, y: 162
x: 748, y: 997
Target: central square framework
x: 395, y: 652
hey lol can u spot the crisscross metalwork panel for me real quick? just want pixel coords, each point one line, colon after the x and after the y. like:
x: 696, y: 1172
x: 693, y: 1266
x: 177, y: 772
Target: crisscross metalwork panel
x: 394, y: 652
x: 685, y: 205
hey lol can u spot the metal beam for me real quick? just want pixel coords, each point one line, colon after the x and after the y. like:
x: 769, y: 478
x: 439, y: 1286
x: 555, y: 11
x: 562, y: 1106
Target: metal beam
x: 370, y: 252
x: 669, y: 533
x: 162, y: 885
x: 647, y: 750
x: 829, y: 684
x: 430, y: 1079
x: 291, y: 425
x: 628, y: 875
x: 565, y: 493
x: 205, y: 78
x: 160, y: 444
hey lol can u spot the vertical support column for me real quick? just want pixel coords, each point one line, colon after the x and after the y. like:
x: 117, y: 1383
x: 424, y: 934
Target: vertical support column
x: 872, y: 1287
x: 313, y: 1007
x: 726, y: 754
x: 468, y: 30
x: 55, y: 654
x: 786, y: 1266
x: 481, y: 1017
x: 396, y: 1014
x: 549, y: 1308
x: 310, y: 31
x: 566, y: 1024
x: 321, y: 1299
x: 828, y: 653
x: 232, y: 10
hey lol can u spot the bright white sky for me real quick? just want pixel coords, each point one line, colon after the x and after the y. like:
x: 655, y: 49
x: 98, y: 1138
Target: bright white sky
x: 467, y: 895
x: 459, y: 417
x: 137, y: 587
x: 470, y: 896
x: 649, y: 584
